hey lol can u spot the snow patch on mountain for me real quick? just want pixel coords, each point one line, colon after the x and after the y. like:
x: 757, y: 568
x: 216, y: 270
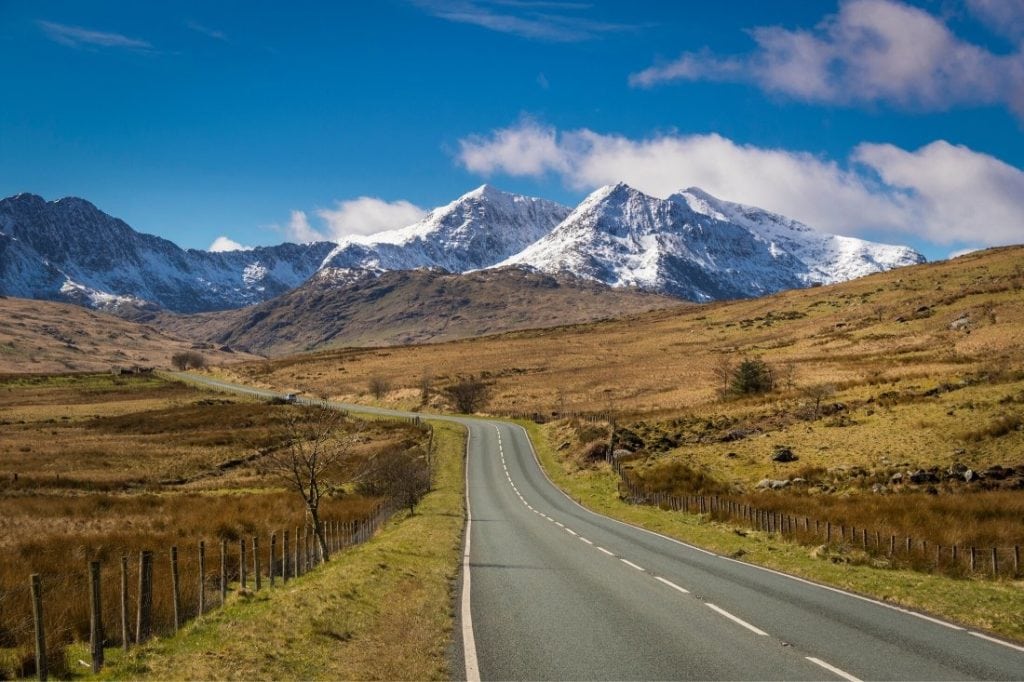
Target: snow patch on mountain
x: 696, y: 246
x: 475, y: 231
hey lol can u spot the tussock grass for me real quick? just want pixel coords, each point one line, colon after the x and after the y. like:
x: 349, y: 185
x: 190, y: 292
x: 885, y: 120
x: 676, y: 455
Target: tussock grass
x: 140, y: 463
x: 381, y: 610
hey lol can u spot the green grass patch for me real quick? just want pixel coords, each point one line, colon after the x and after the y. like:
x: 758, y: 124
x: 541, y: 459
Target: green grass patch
x: 381, y: 610
x: 997, y: 606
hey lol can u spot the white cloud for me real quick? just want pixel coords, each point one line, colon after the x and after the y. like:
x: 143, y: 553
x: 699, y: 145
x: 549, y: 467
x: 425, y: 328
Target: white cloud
x: 227, y: 244
x: 941, y: 192
x: 207, y: 31
x: 76, y: 36
x: 367, y: 215
x: 359, y: 216
x: 871, y: 51
x: 299, y: 229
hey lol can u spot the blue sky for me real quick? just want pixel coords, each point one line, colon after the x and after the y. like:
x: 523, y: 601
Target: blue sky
x: 264, y: 121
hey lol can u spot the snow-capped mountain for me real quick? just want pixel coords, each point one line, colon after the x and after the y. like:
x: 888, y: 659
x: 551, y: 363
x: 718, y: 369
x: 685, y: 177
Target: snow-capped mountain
x: 70, y: 250
x: 690, y: 245
x: 695, y: 246
x: 477, y: 230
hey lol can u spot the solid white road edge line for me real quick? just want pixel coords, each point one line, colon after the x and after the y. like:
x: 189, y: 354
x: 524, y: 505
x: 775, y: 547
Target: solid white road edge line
x: 993, y: 639
x: 837, y: 590
x: 833, y: 669
x: 468, y: 639
x: 671, y: 584
x: 738, y: 621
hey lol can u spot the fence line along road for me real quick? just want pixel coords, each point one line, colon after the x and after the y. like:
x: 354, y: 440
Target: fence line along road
x: 559, y: 592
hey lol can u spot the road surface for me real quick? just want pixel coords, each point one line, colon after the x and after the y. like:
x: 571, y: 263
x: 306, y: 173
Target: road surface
x: 551, y: 591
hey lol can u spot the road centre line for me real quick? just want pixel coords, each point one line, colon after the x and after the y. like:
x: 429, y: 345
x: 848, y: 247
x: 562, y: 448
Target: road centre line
x: 832, y: 669
x: 602, y: 549
x: 739, y: 621
x: 630, y: 563
x: 671, y: 584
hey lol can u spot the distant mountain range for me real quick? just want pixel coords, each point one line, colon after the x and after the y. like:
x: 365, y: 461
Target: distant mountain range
x: 689, y: 245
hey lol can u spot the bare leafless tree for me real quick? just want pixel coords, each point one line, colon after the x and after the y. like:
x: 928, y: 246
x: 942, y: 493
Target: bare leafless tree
x: 313, y: 442
x: 426, y: 388
x: 379, y: 387
x: 398, y: 474
x: 723, y: 370
x: 817, y: 393
x: 468, y: 394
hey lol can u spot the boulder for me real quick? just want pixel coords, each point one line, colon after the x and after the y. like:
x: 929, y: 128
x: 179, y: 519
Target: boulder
x: 970, y: 476
x: 784, y: 454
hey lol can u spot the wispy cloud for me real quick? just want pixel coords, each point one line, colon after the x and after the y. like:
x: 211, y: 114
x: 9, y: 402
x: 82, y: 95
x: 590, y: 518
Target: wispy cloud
x: 359, y: 216
x: 78, y: 37
x: 539, y: 20
x: 943, y: 193
x: 207, y: 31
x: 871, y: 51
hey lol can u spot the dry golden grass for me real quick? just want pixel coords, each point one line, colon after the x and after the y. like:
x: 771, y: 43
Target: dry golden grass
x: 662, y: 361
x: 43, y: 336
x: 93, y: 467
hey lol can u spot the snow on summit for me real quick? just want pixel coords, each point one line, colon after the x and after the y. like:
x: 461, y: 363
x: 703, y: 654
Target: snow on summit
x: 698, y: 247
x: 691, y: 245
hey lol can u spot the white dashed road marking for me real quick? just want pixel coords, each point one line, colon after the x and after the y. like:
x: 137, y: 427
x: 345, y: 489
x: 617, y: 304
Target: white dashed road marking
x: 833, y: 669
x: 738, y: 621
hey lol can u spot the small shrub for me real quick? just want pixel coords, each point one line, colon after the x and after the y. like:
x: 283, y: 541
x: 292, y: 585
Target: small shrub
x: 752, y: 376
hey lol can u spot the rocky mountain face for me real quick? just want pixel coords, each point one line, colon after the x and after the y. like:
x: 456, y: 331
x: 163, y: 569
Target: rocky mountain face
x: 700, y: 248
x: 689, y: 245
x: 477, y: 230
x: 363, y: 308
x: 69, y: 250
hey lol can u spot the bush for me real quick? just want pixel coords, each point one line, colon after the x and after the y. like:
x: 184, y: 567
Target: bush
x: 401, y: 475
x: 752, y: 377
x: 188, y: 359
x: 469, y: 395
x: 379, y: 387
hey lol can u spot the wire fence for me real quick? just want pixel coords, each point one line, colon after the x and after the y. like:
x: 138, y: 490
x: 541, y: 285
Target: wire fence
x: 124, y: 599
x: 896, y: 549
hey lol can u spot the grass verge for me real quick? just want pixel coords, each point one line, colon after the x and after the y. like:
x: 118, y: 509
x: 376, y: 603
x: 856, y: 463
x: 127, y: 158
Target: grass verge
x: 381, y: 610
x: 997, y: 606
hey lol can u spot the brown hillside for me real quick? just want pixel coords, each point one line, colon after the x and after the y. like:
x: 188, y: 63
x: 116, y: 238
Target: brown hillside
x: 410, y: 307
x: 930, y: 321
x: 45, y: 337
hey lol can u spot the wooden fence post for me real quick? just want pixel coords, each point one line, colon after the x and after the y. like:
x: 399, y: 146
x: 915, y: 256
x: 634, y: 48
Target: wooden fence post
x: 273, y: 552
x: 223, y: 571
x: 298, y: 554
x: 892, y: 545
x: 202, y: 577
x: 95, y: 617
x: 144, y: 615
x: 243, y: 577
x: 974, y: 559
x: 37, y: 618
x: 284, y: 557
x: 175, y: 588
x: 1016, y: 560
x: 995, y: 562
x: 256, y: 562
x: 126, y: 638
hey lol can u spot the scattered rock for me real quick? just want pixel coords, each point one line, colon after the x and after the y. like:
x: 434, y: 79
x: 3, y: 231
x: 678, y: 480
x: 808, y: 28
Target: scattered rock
x: 896, y: 478
x: 961, y: 322
x: 621, y: 452
x: 996, y: 472
x: 970, y: 475
x: 922, y: 476
x: 784, y: 454
x: 879, y: 489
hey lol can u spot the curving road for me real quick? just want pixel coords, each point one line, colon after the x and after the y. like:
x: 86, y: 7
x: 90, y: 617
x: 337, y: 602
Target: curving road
x: 552, y: 591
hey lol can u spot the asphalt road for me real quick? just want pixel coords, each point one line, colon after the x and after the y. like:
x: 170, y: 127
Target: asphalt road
x: 555, y: 592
